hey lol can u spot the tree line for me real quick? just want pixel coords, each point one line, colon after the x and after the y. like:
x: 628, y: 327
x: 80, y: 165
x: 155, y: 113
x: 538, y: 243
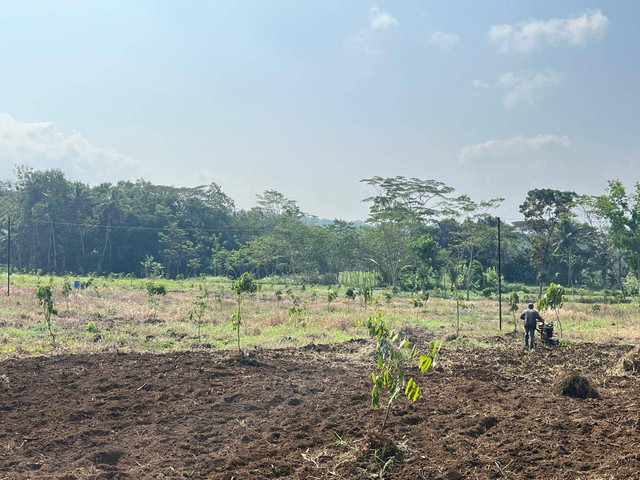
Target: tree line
x: 419, y: 234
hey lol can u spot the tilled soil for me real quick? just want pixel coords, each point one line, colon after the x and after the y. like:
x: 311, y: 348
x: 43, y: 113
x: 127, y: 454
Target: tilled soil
x: 486, y: 413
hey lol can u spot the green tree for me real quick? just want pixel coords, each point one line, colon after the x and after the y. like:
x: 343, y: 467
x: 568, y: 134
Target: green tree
x: 543, y: 209
x: 622, y: 209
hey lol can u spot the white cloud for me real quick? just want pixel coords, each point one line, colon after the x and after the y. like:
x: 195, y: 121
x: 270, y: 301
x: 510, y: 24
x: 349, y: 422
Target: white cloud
x: 479, y: 83
x: 533, y: 34
x: 41, y: 145
x: 526, y: 87
x: 444, y: 41
x: 514, y: 147
x: 378, y: 20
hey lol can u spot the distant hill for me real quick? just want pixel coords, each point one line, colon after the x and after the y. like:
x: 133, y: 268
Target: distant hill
x: 325, y: 221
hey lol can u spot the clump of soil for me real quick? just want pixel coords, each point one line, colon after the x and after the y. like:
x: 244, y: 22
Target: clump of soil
x: 485, y: 424
x: 632, y: 362
x: 577, y: 386
x: 379, y: 447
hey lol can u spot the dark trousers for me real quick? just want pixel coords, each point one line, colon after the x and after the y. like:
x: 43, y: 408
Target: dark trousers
x: 529, y: 333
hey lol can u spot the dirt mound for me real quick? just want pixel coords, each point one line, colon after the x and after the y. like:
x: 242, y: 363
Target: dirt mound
x: 379, y: 447
x: 577, y: 386
x: 632, y: 362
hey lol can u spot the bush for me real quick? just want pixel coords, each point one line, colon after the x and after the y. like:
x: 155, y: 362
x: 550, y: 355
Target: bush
x: 631, y: 284
x: 156, y: 289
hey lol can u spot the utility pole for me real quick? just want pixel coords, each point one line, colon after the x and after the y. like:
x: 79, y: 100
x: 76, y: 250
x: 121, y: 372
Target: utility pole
x: 499, y: 274
x: 9, y: 258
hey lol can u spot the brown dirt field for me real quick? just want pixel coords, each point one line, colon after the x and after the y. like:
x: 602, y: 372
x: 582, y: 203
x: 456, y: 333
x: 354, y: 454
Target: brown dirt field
x: 492, y: 413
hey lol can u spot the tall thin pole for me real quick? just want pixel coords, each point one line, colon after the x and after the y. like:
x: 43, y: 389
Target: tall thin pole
x: 499, y: 274
x: 9, y: 258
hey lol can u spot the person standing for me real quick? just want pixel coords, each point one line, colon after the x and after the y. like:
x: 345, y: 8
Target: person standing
x: 530, y: 317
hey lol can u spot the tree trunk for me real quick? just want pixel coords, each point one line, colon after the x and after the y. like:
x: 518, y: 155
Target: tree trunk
x: 468, y: 279
x: 55, y: 251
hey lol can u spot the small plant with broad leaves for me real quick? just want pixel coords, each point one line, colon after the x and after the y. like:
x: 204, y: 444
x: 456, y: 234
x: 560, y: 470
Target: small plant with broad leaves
x: 278, y: 294
x: 393, y: 353
x: 44, y: 295
x: 199, y: 308
x: 245, y: 285
x: 91, y: 328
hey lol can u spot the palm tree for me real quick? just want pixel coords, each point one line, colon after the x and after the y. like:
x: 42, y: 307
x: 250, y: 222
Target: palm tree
x: 567, y: 243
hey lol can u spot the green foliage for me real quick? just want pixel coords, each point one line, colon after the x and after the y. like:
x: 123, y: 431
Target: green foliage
x: 595, y: 308
x: 553, y: 298
x: 91, y: 328
x: 156, y: 289
x: 298, y: 311
x: 350, y: 294
x: 44, y: 294
x: 278, y: 294
x: 393, y: 352
x: 367, y: 294
x: 631, y: 284
x: 246, y: 285
x: 331, y: 296
x: 514, y: 300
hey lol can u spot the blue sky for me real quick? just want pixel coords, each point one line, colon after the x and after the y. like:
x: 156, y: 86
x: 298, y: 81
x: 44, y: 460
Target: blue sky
x: 493, y: 97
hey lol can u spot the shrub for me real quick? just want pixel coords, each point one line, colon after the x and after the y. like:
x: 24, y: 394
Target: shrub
x: 156, y: 289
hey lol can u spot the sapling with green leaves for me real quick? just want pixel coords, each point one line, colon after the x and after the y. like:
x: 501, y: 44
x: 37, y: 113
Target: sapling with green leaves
x: 44, y: 295
x: 331, y: 296
x: 553, y: 299
x: 351, y: 295
x: 245, y: 285
x: 514, y: 299
x: 393, y: 353
x: 66, y: 290
x: 198, y: 309
x: 459, y: 305
x: 367, y: 295
x: 417, y: 304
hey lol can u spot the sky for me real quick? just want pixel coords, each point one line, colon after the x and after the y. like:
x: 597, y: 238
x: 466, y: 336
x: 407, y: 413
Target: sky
x: 493, y: 98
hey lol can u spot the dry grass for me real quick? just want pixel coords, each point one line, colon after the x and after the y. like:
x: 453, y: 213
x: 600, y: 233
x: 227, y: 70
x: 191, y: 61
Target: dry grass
x: 128, y: 318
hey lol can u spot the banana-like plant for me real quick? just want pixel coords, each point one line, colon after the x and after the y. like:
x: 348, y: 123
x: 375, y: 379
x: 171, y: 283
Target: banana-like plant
x: 394, y: 351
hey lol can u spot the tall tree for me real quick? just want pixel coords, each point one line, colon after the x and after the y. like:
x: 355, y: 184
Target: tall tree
x: 542, y: 210
x: 622, y: 209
